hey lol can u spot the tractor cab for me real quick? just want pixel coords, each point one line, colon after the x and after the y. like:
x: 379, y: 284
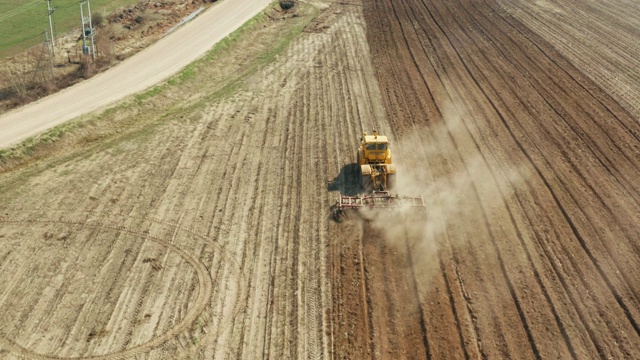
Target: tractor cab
x: 375, y: 149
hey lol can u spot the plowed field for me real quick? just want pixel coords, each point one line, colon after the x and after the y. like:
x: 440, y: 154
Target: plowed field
x: 207, y: 235
x: 531, y: 173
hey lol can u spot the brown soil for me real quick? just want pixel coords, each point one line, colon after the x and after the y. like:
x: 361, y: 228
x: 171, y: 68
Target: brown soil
x: 208, y: 235
x: 531, y: 168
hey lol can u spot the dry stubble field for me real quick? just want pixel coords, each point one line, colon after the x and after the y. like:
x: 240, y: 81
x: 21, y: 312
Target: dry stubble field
x: 201, y: 229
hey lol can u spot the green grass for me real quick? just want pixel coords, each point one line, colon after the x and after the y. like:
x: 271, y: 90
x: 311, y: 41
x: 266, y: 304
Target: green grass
x: 27, y: 146
x: 22, y: 22
x: 147, y: 94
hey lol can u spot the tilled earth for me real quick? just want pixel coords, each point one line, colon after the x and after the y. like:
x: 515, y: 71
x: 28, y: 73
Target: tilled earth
x: 210, y: 236
x: 530, y: 167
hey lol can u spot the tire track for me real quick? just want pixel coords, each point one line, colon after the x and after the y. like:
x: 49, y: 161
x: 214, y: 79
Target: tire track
x: 399, y: 130
x: 453, y: 309
x: 549, y: 189
x: 583, y: 243
x: 582, y: 319
x: 514, y: 225
x: 204, y: 290
x: 546, y: 94
x: 610, y: 211
x: 486, y: 222
x: 354, y: 131
x: 535, y: 271
x: 615, y: 75
x: 436, y: 65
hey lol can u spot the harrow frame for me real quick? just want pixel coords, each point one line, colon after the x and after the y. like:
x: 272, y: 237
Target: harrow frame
x: 376, y: 200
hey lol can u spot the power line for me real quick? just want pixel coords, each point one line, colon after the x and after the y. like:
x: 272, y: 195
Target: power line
x: 75, y: 3
x: 13, y: 12
x: 18, y: 10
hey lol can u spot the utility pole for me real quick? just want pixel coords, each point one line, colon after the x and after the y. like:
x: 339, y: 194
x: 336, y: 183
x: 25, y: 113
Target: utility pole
x: 51, y: 52
x: 87, y: 30
x: 50, y: 11
x: 38, y: 70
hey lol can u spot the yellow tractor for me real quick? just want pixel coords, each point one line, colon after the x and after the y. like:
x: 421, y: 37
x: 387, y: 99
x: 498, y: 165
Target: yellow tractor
x: 378, y: 175
x: 374, y: 157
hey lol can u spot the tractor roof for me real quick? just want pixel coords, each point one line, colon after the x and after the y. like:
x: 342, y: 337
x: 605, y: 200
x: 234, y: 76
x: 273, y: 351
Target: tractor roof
x: 373, y: 139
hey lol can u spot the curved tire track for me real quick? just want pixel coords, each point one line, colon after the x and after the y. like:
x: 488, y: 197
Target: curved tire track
x: 204, y: 289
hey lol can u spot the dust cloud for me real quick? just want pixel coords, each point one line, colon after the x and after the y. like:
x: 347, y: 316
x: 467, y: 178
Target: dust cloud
x: 459, y: 186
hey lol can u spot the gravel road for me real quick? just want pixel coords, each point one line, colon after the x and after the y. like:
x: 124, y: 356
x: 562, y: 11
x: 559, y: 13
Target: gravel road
x: 155, y: 64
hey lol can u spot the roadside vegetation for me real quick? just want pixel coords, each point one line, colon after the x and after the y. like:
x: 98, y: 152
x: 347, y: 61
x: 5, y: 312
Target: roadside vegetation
x: 120, y: 31
x: 218, y: 74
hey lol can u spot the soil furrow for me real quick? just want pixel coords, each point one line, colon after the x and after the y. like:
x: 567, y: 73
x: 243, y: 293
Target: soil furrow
x: 193, y: 221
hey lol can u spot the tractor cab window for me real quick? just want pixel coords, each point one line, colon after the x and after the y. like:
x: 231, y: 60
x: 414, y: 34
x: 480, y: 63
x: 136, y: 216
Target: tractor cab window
x: 376, y: 146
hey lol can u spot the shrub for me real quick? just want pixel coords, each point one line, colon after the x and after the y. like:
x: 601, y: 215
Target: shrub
x: 97, y: 19
x: 287, y: 4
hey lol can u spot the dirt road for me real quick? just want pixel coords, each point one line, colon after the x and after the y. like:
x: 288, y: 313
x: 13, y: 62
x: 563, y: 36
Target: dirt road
x: 145, y: 69
x: 208, y: 234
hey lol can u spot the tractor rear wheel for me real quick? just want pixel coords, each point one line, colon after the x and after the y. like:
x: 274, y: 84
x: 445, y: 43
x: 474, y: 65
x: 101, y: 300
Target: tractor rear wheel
x: 367, y: 184
x: 391, y: 181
